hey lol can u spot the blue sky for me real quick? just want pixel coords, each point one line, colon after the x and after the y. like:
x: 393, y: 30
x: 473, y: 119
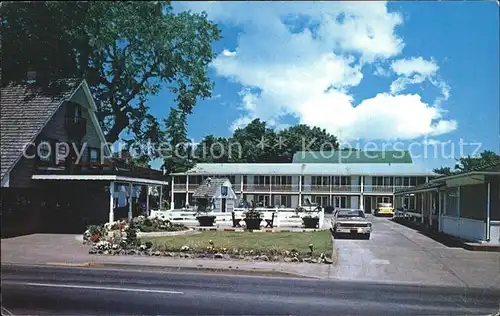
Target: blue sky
x: 422, y: 73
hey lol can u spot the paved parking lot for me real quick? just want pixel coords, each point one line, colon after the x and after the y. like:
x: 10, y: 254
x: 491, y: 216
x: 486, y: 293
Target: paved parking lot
x: 398, y: 253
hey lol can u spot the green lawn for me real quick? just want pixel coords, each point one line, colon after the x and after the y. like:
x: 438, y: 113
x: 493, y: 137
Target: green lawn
x: 262, y: 242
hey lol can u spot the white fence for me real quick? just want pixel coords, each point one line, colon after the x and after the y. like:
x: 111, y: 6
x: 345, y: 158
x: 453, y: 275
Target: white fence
x: 465, y: 228
x: 282, y: 218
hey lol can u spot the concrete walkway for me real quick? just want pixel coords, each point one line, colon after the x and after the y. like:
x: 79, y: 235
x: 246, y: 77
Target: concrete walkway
x: 394, y: 254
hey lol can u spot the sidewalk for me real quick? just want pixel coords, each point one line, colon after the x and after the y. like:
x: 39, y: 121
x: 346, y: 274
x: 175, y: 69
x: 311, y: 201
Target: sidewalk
x: 448, y: 239
x: 68, y: 250
x: 432, y: 265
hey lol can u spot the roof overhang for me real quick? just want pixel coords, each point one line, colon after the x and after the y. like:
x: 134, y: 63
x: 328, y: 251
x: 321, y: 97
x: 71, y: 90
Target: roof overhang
x: 466, y: 174
x: 69, y: 177
x: 417, y: 190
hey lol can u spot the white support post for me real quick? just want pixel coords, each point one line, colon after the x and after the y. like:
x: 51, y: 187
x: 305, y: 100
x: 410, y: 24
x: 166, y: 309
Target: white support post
x: 422, y: 199
x: 321, y: 217
x: 440, y: 208
x: 488, y: 210
x: 111, y: 201
x: 361, y: 196
x: 147, y: 200
x: 241, y: 186
x: 187, y: 189
x: 300, y: 190
x: 271, y: 190
x: 130, y: 200
x: 171, y: 196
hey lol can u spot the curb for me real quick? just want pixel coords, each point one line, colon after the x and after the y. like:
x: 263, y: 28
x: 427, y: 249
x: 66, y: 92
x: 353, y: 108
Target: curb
x: 166, y: 268
x: 233, y: 271
x: 486, y: 247
x: 241, y: 230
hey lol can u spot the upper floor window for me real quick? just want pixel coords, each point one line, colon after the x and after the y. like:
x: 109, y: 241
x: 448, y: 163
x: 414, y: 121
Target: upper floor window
x: 316, y: 180
x: 46, y: 151
x: 73, y: 111
x: 261, y: 180
x: 282, y: 180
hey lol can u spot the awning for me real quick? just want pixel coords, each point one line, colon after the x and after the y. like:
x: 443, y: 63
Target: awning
x: 427, y: 187
x: 97, y: 178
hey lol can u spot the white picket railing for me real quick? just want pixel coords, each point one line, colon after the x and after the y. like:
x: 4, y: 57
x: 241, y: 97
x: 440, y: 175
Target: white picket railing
x: 283, y: 217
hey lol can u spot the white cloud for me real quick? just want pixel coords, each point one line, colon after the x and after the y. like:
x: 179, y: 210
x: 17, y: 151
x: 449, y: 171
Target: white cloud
x: 302, y: 58
x: 416, y: 71
x: 228, y: 53
x: 408, y: 67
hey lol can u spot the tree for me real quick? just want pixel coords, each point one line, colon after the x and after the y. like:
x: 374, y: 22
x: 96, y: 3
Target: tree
x: 468, y: 163
x: 443, y: 170
x: 257, y: 143
x: 178, y: 154
x: 127, y: 52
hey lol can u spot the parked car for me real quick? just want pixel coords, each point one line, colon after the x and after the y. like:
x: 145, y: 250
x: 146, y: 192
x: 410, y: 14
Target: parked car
x: 351, y: 221
x: 385, y: 209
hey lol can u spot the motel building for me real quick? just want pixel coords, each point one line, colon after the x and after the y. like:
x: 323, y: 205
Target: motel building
x: 354, y: 179
x: 465, y: 205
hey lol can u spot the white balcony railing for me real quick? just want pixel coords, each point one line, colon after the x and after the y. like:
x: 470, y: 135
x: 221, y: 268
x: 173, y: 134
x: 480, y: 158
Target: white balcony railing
x: 256, y: 188
x: 306, y: 188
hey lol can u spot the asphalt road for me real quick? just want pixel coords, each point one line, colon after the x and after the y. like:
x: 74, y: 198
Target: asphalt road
x: 92, y: 291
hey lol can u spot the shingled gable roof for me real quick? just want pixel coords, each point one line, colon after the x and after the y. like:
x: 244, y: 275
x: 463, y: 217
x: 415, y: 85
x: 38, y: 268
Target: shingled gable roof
x: 25, y: 109
x: 209, y: 190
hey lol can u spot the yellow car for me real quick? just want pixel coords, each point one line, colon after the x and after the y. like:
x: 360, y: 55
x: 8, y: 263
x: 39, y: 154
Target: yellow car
x: 384, y: 209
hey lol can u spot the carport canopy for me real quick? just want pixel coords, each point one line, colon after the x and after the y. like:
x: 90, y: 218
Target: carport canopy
x: 113, y: 179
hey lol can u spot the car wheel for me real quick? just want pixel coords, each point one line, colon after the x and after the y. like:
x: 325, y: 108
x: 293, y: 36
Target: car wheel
x: 367, y: 236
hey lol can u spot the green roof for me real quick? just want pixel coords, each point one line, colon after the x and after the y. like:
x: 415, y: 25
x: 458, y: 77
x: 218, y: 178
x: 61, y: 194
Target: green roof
x: 353, y: 156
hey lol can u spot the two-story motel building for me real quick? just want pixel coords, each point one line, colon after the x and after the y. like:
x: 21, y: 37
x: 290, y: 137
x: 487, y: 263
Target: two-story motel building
x: 338, y: 179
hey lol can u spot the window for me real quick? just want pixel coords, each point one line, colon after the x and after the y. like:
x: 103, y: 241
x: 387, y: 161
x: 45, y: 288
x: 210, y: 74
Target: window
x: 282, y: 180
x: 413, y: 181
x: 388, y: 181
x: 73, y: 112
x: 46, y: 152
x: 378, y: 181
x: 399, y: 181
x: 341, y: 180
x: 286, y: 200
x: 406, y: 181
x: 452, y: 196
x: 261, y: 180
x: 93, y: 155
x: 320, y: 180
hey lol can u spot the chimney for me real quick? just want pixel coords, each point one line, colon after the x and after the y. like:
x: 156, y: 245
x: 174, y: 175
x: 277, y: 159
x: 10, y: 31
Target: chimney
x: 31, y: 76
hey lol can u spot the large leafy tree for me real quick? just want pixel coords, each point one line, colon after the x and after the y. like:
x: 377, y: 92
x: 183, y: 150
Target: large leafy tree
x: 177, y: 155
x: 468, y: 163
x: 127, y: 52
x: 258, y: 143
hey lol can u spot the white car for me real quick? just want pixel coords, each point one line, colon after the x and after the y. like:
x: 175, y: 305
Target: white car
x: 351, y: 221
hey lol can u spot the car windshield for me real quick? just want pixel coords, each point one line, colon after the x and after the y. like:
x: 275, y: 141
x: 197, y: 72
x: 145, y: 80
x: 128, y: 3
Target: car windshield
x: 350, y: 213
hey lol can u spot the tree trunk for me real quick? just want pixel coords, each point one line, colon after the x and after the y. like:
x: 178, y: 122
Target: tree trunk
x: 121, y: 122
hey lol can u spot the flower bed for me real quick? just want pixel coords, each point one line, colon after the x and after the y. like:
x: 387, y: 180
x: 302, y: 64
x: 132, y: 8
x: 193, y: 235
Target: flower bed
x: 314, y: 247
x: 121, y: 235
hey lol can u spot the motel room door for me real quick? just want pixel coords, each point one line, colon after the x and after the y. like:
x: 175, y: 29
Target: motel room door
x: 340, y: 201
x: 368, y: 204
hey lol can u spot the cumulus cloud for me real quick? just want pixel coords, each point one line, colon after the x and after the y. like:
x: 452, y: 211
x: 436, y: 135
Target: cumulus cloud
x: 303, y: 58
x: 416, y: 70
x: 408, y: 67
